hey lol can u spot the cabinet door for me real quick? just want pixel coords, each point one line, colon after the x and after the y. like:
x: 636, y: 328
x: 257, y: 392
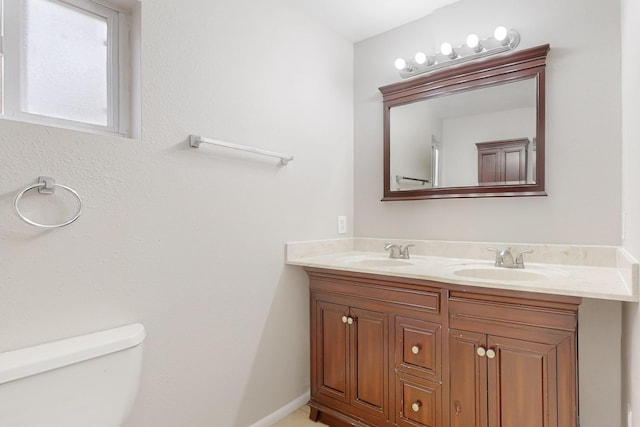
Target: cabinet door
x: 468, y: 379
x: 330, y: 365
x: 489, y: 166
x: 370, y: 361
x: 515, y: 164
x: 522, y: 383
x: 502, y: 161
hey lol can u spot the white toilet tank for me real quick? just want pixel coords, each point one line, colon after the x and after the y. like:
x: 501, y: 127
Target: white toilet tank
x: 86, y: 381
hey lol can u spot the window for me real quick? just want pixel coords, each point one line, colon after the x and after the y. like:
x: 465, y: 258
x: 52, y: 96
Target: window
x: 65, y: 64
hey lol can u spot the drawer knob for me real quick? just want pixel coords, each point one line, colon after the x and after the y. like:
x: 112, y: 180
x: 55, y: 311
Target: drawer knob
x: 350, y: 320
x: 344, y: 319
x: 415, y: 407
x: 491, y: 354
x: 481, y: 351
x: 415, y: 349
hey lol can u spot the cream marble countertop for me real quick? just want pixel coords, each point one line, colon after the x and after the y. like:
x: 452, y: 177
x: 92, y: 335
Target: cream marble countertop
x: 600, y: 272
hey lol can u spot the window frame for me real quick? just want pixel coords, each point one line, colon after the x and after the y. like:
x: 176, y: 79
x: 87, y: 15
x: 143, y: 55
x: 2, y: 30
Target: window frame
x: 13, y: 81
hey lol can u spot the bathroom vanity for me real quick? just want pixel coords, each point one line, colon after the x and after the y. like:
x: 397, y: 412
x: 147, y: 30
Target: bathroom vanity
x: 412, y: 344
x: 410, y: 352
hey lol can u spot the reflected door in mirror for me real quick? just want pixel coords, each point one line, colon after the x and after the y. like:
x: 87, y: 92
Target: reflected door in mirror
x: 503, y: 162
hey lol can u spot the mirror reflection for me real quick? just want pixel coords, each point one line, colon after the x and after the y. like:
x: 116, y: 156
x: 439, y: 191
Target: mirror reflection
x: 482, y: 137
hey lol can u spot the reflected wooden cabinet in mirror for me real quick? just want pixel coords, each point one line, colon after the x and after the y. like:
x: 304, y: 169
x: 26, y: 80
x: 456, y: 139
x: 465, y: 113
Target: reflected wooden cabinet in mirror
x: 399, y: 352
x: 435, y: 126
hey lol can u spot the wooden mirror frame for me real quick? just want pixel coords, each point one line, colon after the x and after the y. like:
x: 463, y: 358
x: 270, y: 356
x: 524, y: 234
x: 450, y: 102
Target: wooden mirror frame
x: 521, y: 65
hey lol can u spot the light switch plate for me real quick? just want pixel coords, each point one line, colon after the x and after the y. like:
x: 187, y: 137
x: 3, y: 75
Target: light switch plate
x: 342, y: 225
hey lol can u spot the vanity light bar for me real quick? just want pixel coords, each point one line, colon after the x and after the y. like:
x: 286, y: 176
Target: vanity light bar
x: 502, y: 40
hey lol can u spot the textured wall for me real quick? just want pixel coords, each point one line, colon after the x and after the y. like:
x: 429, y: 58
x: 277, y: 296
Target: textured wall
x: 191, y: 242
x: 583, y: 127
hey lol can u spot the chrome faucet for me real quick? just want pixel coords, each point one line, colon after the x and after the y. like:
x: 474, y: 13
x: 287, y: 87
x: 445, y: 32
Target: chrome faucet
x: 397, y: 251
x: 504, y: 258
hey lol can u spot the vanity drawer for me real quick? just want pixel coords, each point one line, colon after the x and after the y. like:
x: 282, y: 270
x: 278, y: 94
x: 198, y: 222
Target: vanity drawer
x: 425, y: 299
x: 418, y: 347
x: 472, y: 314
x: 418, y: 402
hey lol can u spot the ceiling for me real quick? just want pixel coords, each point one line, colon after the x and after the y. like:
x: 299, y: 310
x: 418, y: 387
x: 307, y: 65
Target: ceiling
x: 357, y: 20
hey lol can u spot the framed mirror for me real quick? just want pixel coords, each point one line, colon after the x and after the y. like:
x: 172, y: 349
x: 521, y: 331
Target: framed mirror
x: 473, y: 130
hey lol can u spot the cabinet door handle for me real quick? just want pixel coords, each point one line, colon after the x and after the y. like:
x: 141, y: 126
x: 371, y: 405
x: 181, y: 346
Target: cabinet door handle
x: 481, y: 351
x: 415, y: 349
x: 415, y: 407
x: 350, y: 320
x: 344, y: 319
x: 491, y: 353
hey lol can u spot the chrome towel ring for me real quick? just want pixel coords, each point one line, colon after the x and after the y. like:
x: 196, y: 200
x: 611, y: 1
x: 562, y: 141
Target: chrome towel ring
x: 46, y: 185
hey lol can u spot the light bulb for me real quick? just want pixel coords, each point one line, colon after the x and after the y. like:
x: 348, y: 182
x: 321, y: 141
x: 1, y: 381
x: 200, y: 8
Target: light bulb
x: 473, y: 41
x: 446, y: 49
x: 500, y: 33
x: 401, y: 64
x: 421, y: 58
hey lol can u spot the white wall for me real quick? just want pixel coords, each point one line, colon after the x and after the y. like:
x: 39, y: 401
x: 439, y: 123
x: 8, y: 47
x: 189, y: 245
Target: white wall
x: 630, y: 12
x: 583, y: 127
x: 191, y: 242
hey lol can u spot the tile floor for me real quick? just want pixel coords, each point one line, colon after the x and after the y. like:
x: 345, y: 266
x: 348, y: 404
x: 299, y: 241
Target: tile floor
x: 299, y: 418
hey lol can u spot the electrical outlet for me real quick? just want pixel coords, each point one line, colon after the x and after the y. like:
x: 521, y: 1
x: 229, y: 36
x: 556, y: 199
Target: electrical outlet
x: 342, y: 225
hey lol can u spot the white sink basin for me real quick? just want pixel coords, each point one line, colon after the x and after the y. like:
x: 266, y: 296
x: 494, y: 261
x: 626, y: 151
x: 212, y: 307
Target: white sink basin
x: 375, y: 261
x: 487, y: 271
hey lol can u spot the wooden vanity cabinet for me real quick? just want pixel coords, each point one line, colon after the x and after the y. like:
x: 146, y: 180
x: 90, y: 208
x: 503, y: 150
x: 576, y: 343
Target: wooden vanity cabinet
x: 376, y: 351
x: 388, y: 351
x: 513, y: 361
x: 352, y: 342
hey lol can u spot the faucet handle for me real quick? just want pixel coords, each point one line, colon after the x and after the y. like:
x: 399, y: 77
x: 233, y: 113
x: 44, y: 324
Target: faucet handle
x: 394, y: 250
x: 520, y: 259
x: 499, y: 257
x: 497, y: 251
x: 404, y: 251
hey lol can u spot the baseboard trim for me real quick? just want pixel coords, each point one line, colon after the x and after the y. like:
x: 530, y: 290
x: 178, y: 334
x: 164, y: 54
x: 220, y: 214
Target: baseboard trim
x: 279, y: 414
